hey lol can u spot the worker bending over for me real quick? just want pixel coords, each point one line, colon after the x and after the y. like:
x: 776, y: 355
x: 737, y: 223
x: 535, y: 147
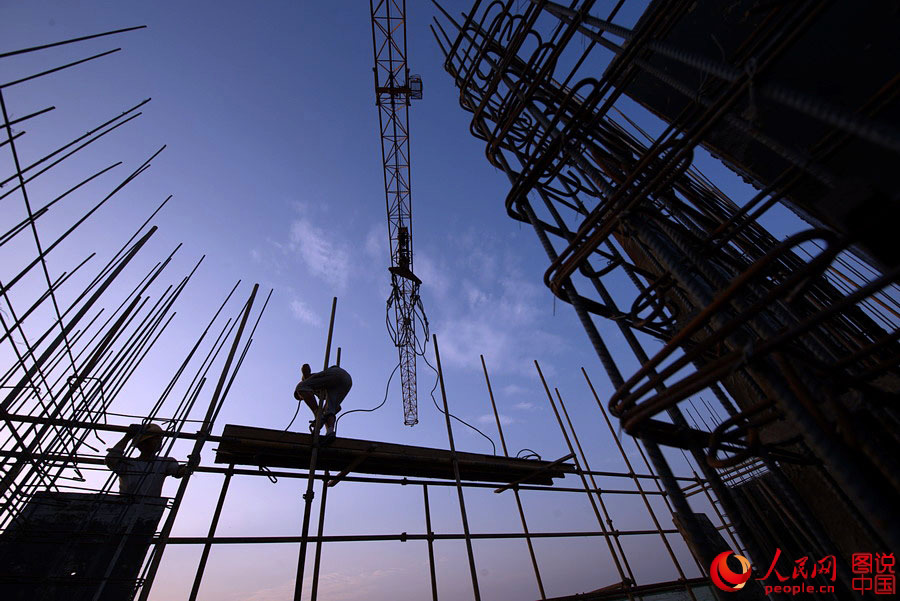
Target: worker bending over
x: 331, y: 384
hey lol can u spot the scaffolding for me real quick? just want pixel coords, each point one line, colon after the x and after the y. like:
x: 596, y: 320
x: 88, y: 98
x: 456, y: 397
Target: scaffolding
x: 67, y: 534
x: 713, y: 303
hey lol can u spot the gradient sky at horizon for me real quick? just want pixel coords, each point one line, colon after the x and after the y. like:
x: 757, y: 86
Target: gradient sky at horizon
x: 267, y: 110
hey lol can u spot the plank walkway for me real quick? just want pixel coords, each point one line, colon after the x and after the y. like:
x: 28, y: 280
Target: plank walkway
x: 244, y: 445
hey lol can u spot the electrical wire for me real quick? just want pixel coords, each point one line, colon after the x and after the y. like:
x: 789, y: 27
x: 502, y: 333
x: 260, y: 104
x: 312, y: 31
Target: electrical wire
x: 338, y: 418
x: 296, y: 413
x: 529, y: 455
x: 421, y: 350
x: 377, y: 407
x: 433, y: 400
x: 418, y: 350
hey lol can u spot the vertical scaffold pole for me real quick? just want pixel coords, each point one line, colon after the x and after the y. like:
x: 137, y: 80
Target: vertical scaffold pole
x: 311, y: 478
x: 537, y: 572
x: 194, y: 457
x: 430, y: 539
x: 595, y: 488
x: 201, y: 567
x: 637, y: 481
x: 321, y: 527
x: 626, y: 582
x: 455, y: 462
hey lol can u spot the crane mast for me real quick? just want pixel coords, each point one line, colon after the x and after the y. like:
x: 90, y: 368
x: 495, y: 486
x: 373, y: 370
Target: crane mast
x: 394, y: 89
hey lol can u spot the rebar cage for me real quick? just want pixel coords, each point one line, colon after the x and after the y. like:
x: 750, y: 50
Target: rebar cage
x: 795, y: 336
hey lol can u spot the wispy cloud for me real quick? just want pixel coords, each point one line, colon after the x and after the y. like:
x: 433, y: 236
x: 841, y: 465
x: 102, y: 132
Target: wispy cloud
x: 345, y: 585
x: 525, y: 406
x: 348, y: 586
x: 303, y: 313
x: 514, y: 390
x: 323, y: 255
x: 284, y: 592
x: 432, y: 273
x: 488, y: 418
x: 493, y: 310
x: 376, y: 244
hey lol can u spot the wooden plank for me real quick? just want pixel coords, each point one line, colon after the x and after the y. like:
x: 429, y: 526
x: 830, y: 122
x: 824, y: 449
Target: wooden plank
x: 291, y: 439
x: 540, y: 469
x: 245, y: 445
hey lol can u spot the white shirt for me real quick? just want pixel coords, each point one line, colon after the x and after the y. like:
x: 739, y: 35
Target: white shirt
x: 141, y: 477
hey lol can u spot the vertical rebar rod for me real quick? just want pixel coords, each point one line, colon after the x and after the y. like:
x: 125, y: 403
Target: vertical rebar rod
x: 311, y: 477
x: 40, y: 300
x: 631, y: 472
x: 595, y: 488
x: 29, y: 374
x: 204, y: 556
x: 534, y: 563
x: 430, y: 539
x: 194, y: 457
x: 726, y: 524
x: 626, y: 583
x: 330, y: 333
x: 178, y: 372
x: 455, y: 462
x: 37, y: 239
x: 14, y: 471
x: 69, y: 41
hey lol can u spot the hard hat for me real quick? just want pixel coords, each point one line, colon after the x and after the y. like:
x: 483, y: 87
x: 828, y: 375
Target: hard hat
x: 150, y: 431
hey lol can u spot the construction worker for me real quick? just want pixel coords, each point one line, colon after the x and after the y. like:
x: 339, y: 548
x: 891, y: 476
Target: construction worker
x: 331, y: 384
x: 142, y: 476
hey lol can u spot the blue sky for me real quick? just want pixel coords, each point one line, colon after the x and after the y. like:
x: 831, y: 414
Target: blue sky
x: 273, y: 159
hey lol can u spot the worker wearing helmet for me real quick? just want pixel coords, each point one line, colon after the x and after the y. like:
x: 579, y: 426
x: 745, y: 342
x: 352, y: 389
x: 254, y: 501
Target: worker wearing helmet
x: 331, y: 384
x: 142, y: 476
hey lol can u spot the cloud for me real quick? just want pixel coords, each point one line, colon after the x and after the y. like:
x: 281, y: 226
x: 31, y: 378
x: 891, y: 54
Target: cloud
x: 342, y: 585
x: 433, y: 275
x: 497, y: 313
x: 525, y: 406
x: 488, y: 418
x: 514, y: 390
x: 283, y: 592
x: 376, y: 244
x: 303, y: 313
x: 346, y: 586
x: 323, y: 256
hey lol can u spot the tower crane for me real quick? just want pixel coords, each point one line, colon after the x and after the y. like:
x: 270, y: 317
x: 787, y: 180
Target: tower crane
x: 395, y: 88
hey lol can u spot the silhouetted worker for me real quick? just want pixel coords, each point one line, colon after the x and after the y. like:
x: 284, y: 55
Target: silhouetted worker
x: 142, y: 476
x: 331, y: 384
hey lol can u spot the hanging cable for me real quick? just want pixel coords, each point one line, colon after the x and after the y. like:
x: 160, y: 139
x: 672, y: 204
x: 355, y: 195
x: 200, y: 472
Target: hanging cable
x: 529, y: 455
x: 296, y: 413
x: 465, y: 423
x: 338, y: 418
x: 379, y: 406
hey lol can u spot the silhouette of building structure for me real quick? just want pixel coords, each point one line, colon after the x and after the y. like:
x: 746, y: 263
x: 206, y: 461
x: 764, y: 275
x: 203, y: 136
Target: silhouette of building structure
x: 795, y: 338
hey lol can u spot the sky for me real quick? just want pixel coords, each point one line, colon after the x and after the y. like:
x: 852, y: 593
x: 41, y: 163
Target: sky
x: 273, y: 160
